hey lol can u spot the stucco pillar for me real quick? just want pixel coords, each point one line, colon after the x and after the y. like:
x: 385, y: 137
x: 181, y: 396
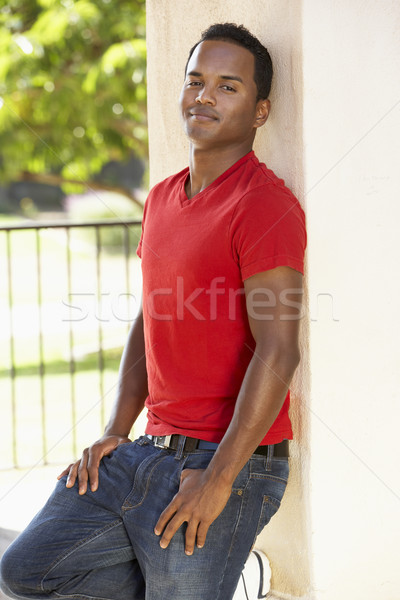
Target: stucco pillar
x: 351, y: 68
x: 172, y: 28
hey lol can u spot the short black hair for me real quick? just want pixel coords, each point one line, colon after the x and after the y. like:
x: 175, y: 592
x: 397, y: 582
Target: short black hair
x: 238, y: 34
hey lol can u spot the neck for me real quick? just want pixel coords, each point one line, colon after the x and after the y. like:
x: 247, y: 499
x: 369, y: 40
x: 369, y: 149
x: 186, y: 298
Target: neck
x: 207, y: 165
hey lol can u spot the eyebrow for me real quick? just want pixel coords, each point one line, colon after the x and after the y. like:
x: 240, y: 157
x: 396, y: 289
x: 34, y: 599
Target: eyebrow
x: 229, y: 77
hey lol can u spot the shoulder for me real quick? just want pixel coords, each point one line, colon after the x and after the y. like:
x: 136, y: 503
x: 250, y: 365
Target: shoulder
x: 265, y: 196
x: 267, y: 228
x: 169, y: 184
x: 160, y: 193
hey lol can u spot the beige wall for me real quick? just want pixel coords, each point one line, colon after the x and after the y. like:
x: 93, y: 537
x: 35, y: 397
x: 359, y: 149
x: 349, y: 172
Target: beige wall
x: 351, y: 156
x: 331, y: 137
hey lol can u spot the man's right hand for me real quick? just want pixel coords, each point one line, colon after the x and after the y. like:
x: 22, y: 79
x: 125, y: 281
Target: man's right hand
x: 86, y: 469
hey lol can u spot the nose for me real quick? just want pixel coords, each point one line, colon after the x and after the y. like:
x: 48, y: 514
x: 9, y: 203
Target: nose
x: 206, y: 96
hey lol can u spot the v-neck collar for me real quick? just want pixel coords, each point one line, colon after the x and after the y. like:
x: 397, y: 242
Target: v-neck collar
x: 186, y: 202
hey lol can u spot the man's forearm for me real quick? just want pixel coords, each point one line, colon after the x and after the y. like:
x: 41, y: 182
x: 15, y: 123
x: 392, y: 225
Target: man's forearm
x: 260, y: 399
x: 132, y: 383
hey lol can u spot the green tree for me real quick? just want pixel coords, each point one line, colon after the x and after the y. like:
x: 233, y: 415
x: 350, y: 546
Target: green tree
x: 72, y: 88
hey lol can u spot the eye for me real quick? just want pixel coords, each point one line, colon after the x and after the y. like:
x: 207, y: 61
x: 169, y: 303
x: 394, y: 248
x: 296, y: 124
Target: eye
x: 194, y: 83
x: 228, y: 88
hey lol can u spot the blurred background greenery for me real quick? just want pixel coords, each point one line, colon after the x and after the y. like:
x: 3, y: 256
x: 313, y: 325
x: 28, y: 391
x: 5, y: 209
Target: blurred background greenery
x: 72, y: 94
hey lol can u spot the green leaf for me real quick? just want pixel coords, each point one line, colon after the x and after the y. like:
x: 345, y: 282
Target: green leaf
x: 116, y: 56
x: 51, y: 26
x: 90, y: 81
x: 86, y: 10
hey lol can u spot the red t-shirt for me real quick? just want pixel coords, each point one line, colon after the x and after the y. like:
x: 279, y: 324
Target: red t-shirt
x: 195, y: 256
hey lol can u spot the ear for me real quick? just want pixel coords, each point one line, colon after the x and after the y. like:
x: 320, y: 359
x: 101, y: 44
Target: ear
x: 262, y: 112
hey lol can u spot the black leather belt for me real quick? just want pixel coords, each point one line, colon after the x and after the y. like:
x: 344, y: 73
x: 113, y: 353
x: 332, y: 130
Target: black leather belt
x: 172, y: 442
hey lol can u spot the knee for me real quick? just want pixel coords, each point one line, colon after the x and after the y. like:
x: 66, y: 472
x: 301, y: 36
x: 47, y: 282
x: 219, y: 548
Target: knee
x: 8, y: 572
x: 14, y: 576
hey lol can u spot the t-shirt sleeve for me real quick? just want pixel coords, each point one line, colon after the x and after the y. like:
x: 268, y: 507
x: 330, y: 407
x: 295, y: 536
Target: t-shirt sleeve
x: 268, y: 231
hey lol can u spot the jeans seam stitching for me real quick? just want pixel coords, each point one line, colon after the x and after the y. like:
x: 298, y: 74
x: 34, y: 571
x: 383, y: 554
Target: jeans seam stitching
x: 79, y: 544
x: 269, y: 477
x: 233, y: 537
x: 81, y: 596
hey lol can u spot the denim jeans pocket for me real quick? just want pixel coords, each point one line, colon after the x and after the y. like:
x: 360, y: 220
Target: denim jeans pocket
x: 268, y: 509
x: 271, y: 485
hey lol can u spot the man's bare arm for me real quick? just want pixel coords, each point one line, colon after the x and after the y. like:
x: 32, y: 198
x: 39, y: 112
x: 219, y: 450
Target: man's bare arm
x: 204, y: 493
x: 129, y: 402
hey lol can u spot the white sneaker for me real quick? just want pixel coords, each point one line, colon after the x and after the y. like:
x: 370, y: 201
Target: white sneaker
x: 254, y: 582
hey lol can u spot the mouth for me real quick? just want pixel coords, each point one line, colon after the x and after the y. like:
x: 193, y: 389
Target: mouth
x: 202, y: 114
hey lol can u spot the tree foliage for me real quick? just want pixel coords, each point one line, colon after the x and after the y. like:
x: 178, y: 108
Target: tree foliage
x: 72, y: 86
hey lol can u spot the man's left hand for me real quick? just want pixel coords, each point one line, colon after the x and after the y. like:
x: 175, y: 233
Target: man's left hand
x: 198, y: 503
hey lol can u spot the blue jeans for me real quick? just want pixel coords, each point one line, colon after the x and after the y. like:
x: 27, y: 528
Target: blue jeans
x: 101, y: 546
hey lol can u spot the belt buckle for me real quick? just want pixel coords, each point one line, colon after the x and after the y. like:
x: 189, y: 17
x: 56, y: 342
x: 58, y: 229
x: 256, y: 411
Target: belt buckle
x: 165, y: 443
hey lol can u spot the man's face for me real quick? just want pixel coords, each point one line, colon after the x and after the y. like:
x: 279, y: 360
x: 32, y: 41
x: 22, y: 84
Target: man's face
x: 218, y: 99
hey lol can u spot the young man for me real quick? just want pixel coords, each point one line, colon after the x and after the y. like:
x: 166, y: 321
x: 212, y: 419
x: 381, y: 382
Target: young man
x: 175, y: 513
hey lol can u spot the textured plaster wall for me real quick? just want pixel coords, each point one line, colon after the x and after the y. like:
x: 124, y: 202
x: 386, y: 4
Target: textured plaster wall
x: 351, y: 128
x: 172, y: 28
x: 333, y: 135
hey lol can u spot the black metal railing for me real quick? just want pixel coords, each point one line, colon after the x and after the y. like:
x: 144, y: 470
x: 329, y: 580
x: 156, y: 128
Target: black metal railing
x: 60, y: 350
